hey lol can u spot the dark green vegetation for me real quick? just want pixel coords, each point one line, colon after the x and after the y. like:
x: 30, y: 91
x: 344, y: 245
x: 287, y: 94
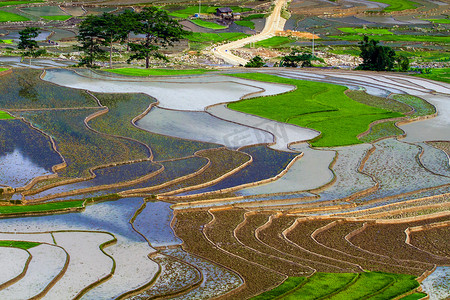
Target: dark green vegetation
x: 206, y: 24
x: 28, y: 43
x: 191, y: 10
x: 22, y: 89
x: 298, y: 59
x: 437, y: 74
x: 57, y: 18
x: 320, y: 106
x: 376, y: 57
x: 253, y: 17
x: 382, y: 130
x: 18, y: 244
x: 398, y: 5
x: 156, y: 72
x: 275, y: 42
x: 380, y: 102
x: 343, y: 286
x: 159, y: 29
x: 10, y: 17
x: 36, y: 208
x: 255, y: 62
x: 123, y: 108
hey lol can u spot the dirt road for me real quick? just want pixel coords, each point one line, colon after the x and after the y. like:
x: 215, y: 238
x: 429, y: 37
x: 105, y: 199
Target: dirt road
x: 273, y: 23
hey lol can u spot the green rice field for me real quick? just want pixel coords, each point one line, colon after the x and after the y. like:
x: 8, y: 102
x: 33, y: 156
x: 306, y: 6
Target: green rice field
x: 5, y: 116
x: 244, y: 23
x: 8, y: 42
x: 18, y: 244
x: 396, y: 38
x: 365, y: 30
x: 439, y: 21
x: 398, y: 5
x: 10, y: 17
x: 206, y: 24
x: 310, y: 105
x: 36, y: 208
x: 343, y: 286
x: 57, y: 18
x: 191, y: 10
x: 9, y: 3
x: 275, y: 42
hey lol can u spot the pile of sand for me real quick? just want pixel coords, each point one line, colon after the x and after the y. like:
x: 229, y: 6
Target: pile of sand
x: 297, y: 34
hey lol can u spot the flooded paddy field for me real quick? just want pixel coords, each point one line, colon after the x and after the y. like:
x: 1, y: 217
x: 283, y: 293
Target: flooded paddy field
x: 212, y: 202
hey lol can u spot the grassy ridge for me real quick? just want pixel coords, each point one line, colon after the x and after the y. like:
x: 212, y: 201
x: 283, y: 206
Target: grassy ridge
x: 17, y: 209
x: 398, y: 5
x: 315, y: 105
x: 275, y: 42
x: 10, y: 17
x: 344, y: 286
x: 8, y: 3
x: 18, y: 244
x: 437, y: 74
x: 5, y: 116
x: 191, y: 10
x: 395, y: 38
x: 365, y: 30
x: 155, y: 72
x: 206, y: 24
x: 57, y: 18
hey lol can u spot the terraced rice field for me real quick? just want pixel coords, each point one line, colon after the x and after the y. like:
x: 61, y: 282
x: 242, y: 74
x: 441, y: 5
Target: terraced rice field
x: 172, y: 194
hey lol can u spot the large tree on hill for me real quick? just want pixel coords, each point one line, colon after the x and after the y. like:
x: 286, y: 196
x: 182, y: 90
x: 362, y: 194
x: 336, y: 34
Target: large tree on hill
x: 376, y: 57
x: 159, y: 30
x: 27, y: 42
x: 92, y: 38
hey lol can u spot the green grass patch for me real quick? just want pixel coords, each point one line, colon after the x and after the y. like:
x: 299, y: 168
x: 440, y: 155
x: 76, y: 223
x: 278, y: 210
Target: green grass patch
x: 203, y: 37
x: 57, y: 18
x: 206, y: 24
x: 18, y: 244
x: 421, y: 107
x: 395, y: 38
x: 21, y: 209
x: 275, y: 42
x: 8, y: 3
x: 437, y: 74
x: 205, y: 9
x: 290, y: 284
x: 403, y: 283
x: 439, y: 21
x: 320, y: 106
x: 5, y: 115
x: 253, y: 17
x: 320, y: 285
x: 426, y: 55
x: 365, y: 30
x: 398, y: 5
x: 8, y: 42
x: 245, y: 23
x: 10, y: 17
x: 367, y: 284
x: 155, y: 72
x: 380, y: 102
x: 415, y: 296
x: 3, y: 69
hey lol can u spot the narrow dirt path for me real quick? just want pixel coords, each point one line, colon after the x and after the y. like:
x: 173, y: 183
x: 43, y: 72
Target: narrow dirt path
x: 274, y: 23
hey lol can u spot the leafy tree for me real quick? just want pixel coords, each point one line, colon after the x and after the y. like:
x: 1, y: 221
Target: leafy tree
x: 28, y: 43
x: 159, y: 30
x: 402, y: 63
x: 296, y: 58
x: 255, y: 62
x: 376, y: 57
x: 92, y: 37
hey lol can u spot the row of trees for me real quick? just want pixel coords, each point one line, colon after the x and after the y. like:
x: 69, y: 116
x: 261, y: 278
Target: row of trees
x: 97, y: 33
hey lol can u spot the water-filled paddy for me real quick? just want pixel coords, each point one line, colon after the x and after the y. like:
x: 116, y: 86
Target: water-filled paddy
x: 309, y: 172
x: 203, y: 127
x: 437, y: 285
x: 267, y: 163
x: 154, y: 223
x: 25, y: 153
